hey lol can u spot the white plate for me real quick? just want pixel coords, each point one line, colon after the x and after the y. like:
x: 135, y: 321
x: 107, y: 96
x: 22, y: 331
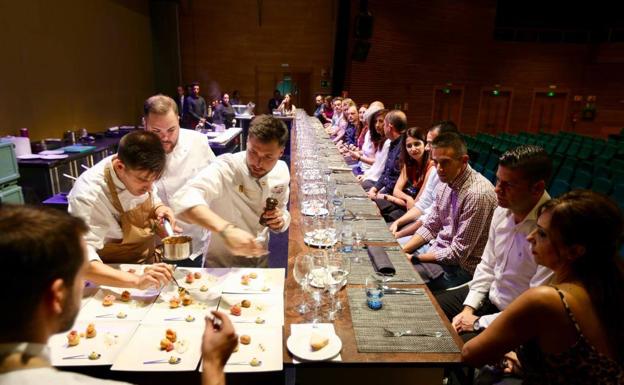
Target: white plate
x: 309, y: 211
x: 320, y: 238
x: 53, y: 157
x: 299, y: 345
x: 267, y: 307
x: 51, y: 152
x: 28, y: 156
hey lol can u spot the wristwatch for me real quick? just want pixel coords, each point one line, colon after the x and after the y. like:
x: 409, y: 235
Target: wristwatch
x: 476, y: 325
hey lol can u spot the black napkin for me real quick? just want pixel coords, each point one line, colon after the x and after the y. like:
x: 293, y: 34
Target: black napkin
x: 381, y: 261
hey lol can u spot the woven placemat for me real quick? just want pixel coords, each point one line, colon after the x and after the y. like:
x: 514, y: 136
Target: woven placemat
x: 399, y: 312
x: 345, y: 178
x: 362, y: 267
x: 351, y: 190
x: 377, y: 231
x: 359, y: 206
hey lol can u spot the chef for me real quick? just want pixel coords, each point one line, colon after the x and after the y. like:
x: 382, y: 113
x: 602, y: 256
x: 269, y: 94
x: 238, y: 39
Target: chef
x: 118, y: 201
x: 229, y: 198
x: 188, y: 152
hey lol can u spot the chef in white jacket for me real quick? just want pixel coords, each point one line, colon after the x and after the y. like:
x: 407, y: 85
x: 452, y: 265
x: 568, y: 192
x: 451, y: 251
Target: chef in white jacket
x: 188, y: 152
x: 229, y: 197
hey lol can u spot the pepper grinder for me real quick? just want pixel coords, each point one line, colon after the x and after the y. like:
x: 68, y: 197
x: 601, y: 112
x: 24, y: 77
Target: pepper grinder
x: 271, y: 204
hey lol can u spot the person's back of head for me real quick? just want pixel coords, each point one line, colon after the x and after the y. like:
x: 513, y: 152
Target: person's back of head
x: 267, y: 129
x: 446, y: 126
x: 39, y: 246
x: 531, y: 160
x: 142, y: 151
x: 398, y: 120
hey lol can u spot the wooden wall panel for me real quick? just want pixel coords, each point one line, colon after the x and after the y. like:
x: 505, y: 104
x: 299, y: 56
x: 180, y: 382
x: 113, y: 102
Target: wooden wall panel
x: 227, y: 45
x: 417, y: 45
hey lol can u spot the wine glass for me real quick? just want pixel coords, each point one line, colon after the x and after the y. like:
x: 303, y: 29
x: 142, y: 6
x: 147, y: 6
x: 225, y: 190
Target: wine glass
x: 338, y: 268
x: 359, y: 232
x: 318, y: 280
x: 301, y: 273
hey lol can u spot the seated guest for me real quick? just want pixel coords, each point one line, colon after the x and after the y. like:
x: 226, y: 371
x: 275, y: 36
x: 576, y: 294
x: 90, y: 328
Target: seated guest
x: 119, y: 202
x: 395, y: 124
x: 570, y: 332
x: 318, y: 112
x: 381, y: 146
x: 229, y: 196
x: 362, y: 136
x: 286, y: 107
x: 339, y: 131
x: 415, y: 164
x: 49, y: 245
x: 336, y: 117
x: 507, y: 268
x: 404, y: 227
x: 365, y: 154
x: 450, y: 244
x: 352, y: 130
x: 188, y: 152
x: 327, y: 111
x: 224, y: 112
x: 275, y: 101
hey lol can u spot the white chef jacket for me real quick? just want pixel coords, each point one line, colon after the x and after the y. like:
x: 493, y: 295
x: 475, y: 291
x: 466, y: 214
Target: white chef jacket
x: 227, y: 187
x: 507, y: 267
x: 190, y: 155
x: 90, y: 200
x: 375, y: 171
x: 43, y: 375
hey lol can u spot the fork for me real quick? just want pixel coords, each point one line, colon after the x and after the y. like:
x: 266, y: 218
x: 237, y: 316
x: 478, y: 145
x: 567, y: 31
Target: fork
x: 401, y: 333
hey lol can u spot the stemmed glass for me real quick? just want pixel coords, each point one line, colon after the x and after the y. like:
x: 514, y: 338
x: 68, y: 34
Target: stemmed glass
x: 318, y: 280
x: 301, y: 273
x: 359, y: 232
x: 338, y: 268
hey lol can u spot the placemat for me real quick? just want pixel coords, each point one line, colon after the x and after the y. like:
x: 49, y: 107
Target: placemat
x: 359, y: 206
x: 351, y: 190
x: 377, y: 231
x: 363, y: 267
x: 345, y: 178
x: 399, y: 312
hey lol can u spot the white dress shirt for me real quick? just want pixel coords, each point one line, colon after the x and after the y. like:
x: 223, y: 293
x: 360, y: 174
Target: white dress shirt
x: 43, y: 375
x: 426, y: 199
x: 375, y: 171
x: 368, y: 150
x: 90, y: 200
x: 191, y: 154
x: 507, y: 267
x: 227, y: 187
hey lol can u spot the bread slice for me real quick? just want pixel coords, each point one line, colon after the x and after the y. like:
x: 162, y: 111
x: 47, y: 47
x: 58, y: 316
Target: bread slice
x: 318, y: 342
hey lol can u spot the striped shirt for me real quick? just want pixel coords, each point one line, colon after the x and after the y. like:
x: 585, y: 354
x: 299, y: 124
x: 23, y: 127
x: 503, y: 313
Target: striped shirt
x: 459, y: 221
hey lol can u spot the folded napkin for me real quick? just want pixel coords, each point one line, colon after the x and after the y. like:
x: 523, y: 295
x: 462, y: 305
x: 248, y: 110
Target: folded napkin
x: 381, y: 260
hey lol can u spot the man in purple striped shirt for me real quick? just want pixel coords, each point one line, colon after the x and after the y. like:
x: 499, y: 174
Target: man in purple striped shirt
x: 450, y: 244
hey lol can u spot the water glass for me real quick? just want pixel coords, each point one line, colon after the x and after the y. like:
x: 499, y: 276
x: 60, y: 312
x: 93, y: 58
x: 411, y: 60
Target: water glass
x: 374, y: 293
x: 338, y: 268
x: 301, y: 273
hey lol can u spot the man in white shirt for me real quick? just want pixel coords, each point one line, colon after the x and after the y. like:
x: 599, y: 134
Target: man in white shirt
x: 49, y: 245
x: 507, y: 267
x: 229, y: 197
x: 188, y: 152
x: 118, y: 201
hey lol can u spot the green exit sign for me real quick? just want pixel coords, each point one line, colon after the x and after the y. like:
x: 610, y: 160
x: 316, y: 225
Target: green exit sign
x: 324, y: 83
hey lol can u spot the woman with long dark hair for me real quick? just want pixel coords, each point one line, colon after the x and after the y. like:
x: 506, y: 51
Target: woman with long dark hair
x: 570, y: 332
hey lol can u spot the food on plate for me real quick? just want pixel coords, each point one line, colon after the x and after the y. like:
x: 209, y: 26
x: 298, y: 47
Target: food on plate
x: 266, y: 288
x: 246, y: 303
x: 186, y: 300
x: 171, y: 335
x: 182, y: 291
x: 94, y: 356
x: 91, y: 332
x: 189, y: 278
x: 108, y: 300
x: 174, y: 302
x: 203, y: 288
x: 131, y: 270
x: 235, y: 310
x: 245, y: 280
x: 253, y: 275
x: 166, y: 345
x: 197, y: 275
x: 125, y: 296
x: 318, y: 342
x: 174, y: 360
x: 255, y: 362
x: 73, y: 338
x: 121, y: 315
x: 259, y: 320
x: 245, y: 339
x: 189, y: 318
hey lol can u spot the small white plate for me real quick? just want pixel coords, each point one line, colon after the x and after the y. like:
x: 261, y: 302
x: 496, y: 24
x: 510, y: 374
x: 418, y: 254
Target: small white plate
x: 52, y: 157
x: 28, y: 156
x: 299, y: 345
x: 51, y: 152
x: 320, y: 238
x: 309, y: 211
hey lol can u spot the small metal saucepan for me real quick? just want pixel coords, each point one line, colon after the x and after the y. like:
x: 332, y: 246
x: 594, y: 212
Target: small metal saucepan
x: 177, y: 247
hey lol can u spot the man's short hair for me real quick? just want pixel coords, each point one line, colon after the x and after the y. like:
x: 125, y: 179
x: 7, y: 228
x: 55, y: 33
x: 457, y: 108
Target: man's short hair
x: 266, y: 129
x: 533, y: 161
x: 445, y: 126
x: 159, y: 105
x: 337, y: 99
x: 38, y: 245
x: 451, y: 140
x: 142, y: 150
x: 398, y: 120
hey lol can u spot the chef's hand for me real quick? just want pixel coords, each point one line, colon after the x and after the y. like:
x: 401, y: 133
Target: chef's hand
x: 240, y: 242
x: 218, y: 343
x: 163, y: 212
x: 274, y: 219
x: 156, y: 275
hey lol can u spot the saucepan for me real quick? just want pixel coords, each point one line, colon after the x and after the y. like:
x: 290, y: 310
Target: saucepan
x: 177, y: 247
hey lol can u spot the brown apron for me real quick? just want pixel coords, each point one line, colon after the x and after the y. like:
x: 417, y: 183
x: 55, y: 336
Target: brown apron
x: 137, y: 227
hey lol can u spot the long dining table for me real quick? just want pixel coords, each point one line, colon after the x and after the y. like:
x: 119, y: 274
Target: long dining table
x: 360, y: 367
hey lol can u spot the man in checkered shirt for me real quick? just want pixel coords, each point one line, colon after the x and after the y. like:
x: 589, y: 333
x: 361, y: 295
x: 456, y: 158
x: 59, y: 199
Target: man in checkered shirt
x: 448, y: 247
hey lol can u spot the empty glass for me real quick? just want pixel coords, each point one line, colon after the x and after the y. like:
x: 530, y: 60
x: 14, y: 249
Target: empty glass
x: 301, y: 273
x: 318, y: 280
x: 359, y: 232
x: 338, y: 268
